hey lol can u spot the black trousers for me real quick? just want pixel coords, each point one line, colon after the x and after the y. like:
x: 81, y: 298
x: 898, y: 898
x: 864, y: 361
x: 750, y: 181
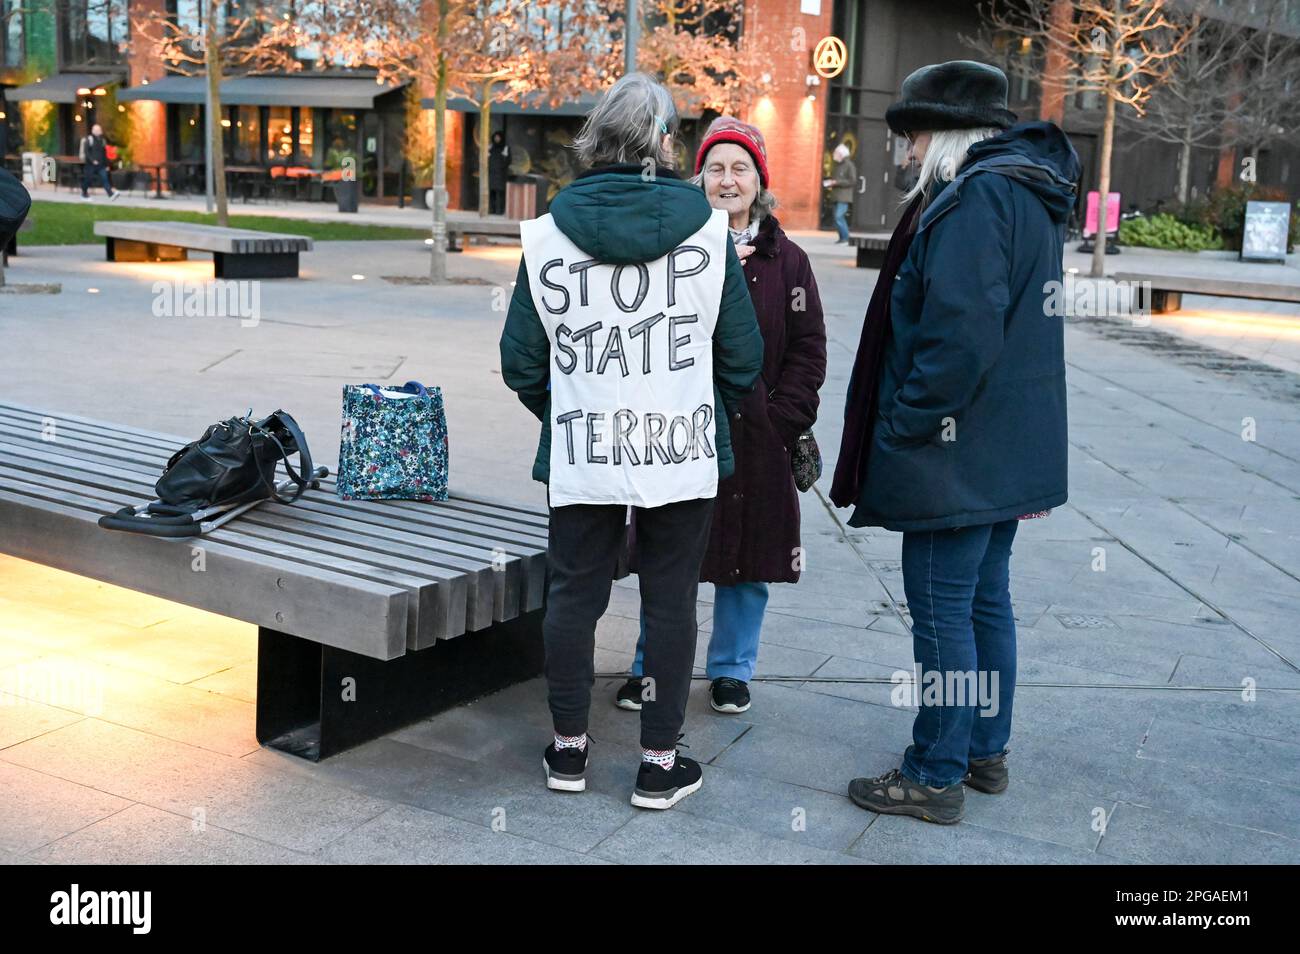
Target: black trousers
x: 585, y: 542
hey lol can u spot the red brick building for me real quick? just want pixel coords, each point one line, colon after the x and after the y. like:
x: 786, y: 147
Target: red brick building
x: 793, y: 119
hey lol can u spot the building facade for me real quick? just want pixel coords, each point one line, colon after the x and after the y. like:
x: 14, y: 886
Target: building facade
x: 66, y: 64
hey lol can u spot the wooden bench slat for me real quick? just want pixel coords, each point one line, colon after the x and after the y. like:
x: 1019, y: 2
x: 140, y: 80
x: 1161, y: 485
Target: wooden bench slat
x: 370, y: 618
x: 524, y: 558
x: 483, y: 603
x: 448, y: 542
x: 439, y: 598
x: 1214, y: 287
x: 164, y: 445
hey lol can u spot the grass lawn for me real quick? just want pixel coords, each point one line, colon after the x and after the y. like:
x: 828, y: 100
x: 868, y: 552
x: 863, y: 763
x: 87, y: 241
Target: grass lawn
x: 67, y: 223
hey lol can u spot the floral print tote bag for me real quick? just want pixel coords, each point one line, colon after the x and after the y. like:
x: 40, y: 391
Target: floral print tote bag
x: 394, y: 443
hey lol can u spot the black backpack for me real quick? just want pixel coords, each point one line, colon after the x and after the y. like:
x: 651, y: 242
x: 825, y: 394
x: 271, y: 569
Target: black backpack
x: 229, y: 469
x: 235, y: 461
x: 15, y: 203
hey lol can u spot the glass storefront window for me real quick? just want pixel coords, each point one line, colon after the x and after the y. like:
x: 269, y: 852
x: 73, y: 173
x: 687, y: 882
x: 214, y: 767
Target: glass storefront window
x: 279, y: 135
x: 91, y: 32
x: 340, y: 137
x: 189, y: 132
x: 244, y: 135
x: 306, y: 138
x: 11, y: 33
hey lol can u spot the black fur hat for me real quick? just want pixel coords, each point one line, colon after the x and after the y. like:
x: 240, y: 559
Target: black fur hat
x: 961, y: 94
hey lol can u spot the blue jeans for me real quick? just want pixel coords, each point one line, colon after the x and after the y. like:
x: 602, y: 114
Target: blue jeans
x: 841, y: 220
x: 964, y: 641
x: 92, y: 172
x: 737, y: 623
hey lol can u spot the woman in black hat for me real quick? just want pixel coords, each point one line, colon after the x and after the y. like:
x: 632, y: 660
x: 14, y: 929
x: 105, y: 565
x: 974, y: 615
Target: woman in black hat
x: 968, y: 432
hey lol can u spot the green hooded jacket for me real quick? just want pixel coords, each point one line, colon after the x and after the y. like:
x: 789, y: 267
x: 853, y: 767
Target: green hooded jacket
x: 619, y: 216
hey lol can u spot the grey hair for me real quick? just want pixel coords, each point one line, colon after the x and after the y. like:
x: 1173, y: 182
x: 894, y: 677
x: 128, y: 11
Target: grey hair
x: 764, y: 203
x: 944, y: 156
x: 628, y: 125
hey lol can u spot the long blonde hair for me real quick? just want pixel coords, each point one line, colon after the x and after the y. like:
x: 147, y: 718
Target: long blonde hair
x: 944, y: 156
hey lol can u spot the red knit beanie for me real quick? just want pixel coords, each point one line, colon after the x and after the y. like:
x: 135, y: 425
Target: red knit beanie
x: 729, y: 129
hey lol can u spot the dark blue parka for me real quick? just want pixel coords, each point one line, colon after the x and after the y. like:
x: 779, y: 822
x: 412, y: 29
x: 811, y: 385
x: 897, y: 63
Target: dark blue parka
x: 971, y: 427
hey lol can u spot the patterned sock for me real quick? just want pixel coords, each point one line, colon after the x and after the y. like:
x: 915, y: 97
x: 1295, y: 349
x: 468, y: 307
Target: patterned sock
x: 570, y: 741
x: 664, y: 758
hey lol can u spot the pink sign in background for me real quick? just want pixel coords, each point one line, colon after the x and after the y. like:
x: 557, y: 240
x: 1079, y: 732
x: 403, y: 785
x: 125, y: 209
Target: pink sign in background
x: 1112, y: 214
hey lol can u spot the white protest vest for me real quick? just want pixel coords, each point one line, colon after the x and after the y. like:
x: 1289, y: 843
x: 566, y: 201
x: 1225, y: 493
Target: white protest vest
x: 631, y: 367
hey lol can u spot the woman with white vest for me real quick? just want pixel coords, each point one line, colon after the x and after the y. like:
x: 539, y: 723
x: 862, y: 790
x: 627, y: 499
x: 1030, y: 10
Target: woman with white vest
x: 632, y: 338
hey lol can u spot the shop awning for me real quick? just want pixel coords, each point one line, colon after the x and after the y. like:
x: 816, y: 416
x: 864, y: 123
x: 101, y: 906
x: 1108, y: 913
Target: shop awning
x: 337, y: 92
x: 61, y: 87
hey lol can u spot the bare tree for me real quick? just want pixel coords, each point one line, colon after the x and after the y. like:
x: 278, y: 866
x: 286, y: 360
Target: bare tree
x: 488, y: 51
x: 1235, y: 84
x: 1122, y: 50
x: 707, y: 54
x: 1266, y: 91
x: 507, y: 50
x: 216, y: 40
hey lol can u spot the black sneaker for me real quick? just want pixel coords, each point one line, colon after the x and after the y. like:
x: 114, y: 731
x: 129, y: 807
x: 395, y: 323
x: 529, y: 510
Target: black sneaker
x: 729, y: 695
x: 988, y: 775
x: 895, y: 794
x: 629, y: 695
x: 566, y: 769
x: 663, y: 788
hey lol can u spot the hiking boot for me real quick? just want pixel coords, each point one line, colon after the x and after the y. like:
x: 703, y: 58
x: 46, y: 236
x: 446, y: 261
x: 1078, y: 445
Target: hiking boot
x: 629, y: 695
x: 988, y: 775
x: 729, y: 695
x: 663, y: 788
x: 566, y: 769
x: 895, y: 794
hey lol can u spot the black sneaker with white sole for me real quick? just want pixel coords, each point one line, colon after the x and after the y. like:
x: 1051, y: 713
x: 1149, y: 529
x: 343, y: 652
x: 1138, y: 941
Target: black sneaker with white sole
x: 629, y: 695
x: 566, y: 769
x: 729, y: 695
x: 663, y: 788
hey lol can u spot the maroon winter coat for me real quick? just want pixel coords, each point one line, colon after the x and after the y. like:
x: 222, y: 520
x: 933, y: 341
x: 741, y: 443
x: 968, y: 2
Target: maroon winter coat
x: 756, y: 518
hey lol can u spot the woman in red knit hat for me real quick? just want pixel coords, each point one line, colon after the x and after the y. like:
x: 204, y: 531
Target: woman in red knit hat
x: 754, y: 538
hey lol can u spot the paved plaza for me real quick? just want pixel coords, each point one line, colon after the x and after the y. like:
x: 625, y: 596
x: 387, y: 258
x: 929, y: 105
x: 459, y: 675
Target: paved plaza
x: 1158, y: 714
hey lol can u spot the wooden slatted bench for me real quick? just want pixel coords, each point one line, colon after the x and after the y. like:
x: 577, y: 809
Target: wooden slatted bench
x: 236, y: 253
x: 458, y: 229
x: 1164, y: 293
x: 871, y: 248
x: 370, y: 614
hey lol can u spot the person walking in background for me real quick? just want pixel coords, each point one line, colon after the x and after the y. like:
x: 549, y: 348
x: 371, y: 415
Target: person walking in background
x: 94, y: 158
x: 970, y: 430
x: 842, y: 183
x: 498, y: 171
x: 632, y: 338
x: 754, y: 539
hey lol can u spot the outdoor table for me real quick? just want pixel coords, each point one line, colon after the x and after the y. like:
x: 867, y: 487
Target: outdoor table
x: 246, y: 174
x: 155, y: 169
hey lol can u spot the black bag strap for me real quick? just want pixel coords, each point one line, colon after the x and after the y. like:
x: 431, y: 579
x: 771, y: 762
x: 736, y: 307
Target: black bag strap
x: 302, y: 476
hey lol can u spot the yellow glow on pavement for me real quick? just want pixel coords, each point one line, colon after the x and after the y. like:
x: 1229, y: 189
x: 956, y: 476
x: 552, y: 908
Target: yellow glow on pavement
x: 1237, y: 324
